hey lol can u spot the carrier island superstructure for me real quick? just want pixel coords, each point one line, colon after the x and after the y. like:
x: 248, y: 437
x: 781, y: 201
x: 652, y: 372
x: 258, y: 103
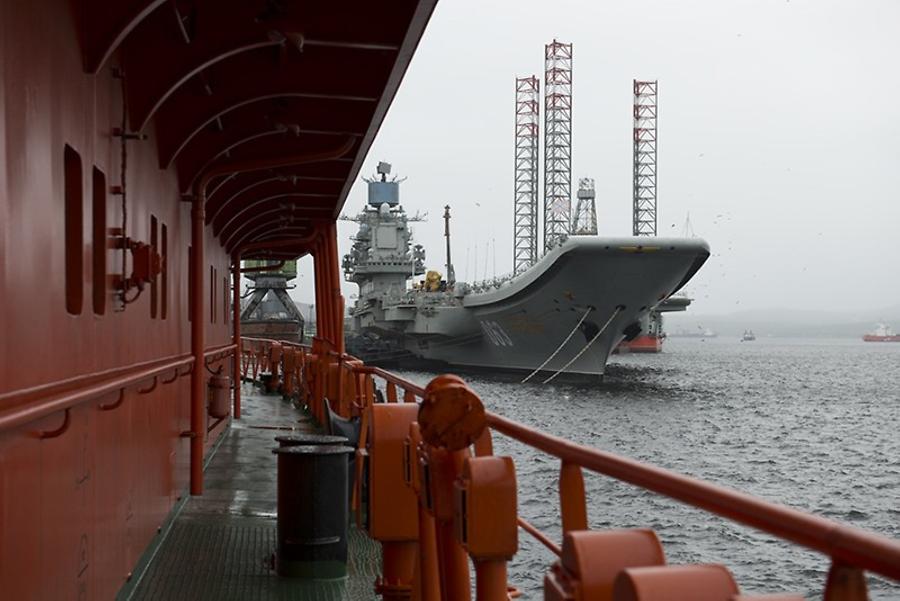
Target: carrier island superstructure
x: 561, y: 316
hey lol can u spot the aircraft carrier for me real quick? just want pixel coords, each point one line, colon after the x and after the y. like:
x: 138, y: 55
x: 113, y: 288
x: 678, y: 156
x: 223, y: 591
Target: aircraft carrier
x: 560, y: 317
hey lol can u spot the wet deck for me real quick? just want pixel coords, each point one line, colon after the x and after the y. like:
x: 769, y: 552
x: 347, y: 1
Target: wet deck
x: 221, y: 544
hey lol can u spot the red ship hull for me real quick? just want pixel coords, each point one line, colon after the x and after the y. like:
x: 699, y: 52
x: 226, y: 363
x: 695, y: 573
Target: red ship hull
x: 641, y: 344
x: 877, y: 338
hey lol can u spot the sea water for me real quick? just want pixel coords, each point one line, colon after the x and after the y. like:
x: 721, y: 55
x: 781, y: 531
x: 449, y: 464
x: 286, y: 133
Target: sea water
x: 813, y: 424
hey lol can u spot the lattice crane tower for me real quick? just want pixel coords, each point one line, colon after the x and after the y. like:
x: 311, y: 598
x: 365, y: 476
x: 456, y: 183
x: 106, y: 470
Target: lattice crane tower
x: 525, y: 232
x: 585, y: 211
x: 557, y: 142
x: 644, y: 168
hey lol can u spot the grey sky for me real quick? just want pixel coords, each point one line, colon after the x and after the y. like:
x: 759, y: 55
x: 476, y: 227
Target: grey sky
x: 779, y: 132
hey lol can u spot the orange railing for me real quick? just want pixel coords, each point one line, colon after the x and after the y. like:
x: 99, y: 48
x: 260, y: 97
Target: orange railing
x: 449, y: 507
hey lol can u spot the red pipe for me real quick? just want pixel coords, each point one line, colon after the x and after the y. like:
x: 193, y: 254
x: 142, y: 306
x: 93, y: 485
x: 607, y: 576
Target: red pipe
x: 20, y: 415
x: 23, y: 395
x: 198, y: 337
x: 236, y: 335
x: 539, y: 536
x: 867, y: 550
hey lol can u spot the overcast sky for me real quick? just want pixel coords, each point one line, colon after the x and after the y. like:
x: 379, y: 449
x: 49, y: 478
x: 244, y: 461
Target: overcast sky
x: 779, y: 132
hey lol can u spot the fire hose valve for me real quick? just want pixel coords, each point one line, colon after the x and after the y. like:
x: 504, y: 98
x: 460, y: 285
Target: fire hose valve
x: 146, y: 264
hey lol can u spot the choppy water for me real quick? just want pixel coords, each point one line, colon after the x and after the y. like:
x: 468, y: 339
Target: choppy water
x: 814, y: 424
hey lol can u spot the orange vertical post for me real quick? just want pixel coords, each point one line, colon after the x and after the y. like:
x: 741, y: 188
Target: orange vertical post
x: 236, y: 334
x: 572, y: 504
x: 327, y: 318
x: 337, y: 301
x: 322, y: 301
x: 319, y: 284
x: 428, y: 577
x: 490, y: 580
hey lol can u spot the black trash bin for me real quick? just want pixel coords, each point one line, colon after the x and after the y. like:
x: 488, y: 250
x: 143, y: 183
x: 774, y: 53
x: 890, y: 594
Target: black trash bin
x: 295, y: 440
x: 312, y: 511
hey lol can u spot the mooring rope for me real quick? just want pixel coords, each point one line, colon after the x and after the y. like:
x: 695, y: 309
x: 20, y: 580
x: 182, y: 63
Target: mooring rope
x: 559, y: 348
x: 587, y: 346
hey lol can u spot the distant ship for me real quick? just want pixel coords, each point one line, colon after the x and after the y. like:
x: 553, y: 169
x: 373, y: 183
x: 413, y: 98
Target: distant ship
x: 748, y: 336
x: 882, y: 333
x: 562, y: 315
x: 700, y: 332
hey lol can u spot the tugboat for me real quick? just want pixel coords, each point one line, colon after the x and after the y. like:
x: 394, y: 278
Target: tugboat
x: 748, y: 336
x: 564, y: 314
x: 882, y: 333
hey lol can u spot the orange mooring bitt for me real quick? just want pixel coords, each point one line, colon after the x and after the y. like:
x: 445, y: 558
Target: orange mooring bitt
x: 591, y: 560
x: 710, y: 582
x: 451, y: 418
x: 458, y: 504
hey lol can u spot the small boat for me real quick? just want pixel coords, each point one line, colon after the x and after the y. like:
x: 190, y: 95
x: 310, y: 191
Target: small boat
x: 748, y: 336
x: 882, y: 333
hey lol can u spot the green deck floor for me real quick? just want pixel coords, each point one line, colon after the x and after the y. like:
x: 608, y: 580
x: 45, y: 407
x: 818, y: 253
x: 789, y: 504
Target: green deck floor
x: 221, y: 544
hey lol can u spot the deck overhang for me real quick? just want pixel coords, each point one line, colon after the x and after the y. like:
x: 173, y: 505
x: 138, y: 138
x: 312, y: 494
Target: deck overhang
x: 230, y: 82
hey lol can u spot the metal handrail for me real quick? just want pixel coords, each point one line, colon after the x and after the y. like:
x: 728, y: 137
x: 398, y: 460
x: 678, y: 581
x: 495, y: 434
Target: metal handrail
x: 66, y: 394
x: 853, y: 546
x: 392, y: 378
x: 846, y: 545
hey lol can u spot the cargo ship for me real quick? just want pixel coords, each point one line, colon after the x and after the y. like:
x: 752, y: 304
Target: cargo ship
x: 882, y: 333
x: 149, y: 148
x: 653, y: 334
x: 562, y: 316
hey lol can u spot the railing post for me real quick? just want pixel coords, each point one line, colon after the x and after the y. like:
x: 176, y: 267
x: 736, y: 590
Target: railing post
x: 572, y: 503
x: 275, y: 353
x: 845, y: 583
x: 391, y: 392
x: 369, y: 389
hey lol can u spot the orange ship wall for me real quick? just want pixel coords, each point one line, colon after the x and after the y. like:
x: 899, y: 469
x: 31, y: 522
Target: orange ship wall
x: 67, y: 537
